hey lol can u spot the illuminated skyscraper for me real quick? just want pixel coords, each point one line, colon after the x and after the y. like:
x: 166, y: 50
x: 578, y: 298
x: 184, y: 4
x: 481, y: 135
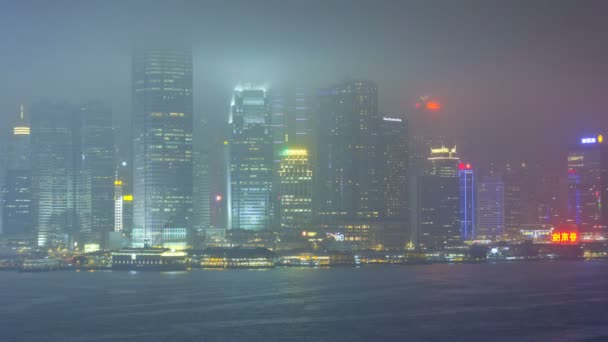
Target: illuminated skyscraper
x: 439, y: 206
x: 348, y: 185
x: 55, y: 156
x: 295, y: 189
x: 491, y: 207
x: 95, y: 173
x: 394, y: 155
x: 17, y: 209
x: 251, y: 160
x: 162, y: 147
x: 201, y: 192
x: 588, y: 182
x: 467, y: 201
x: 118, y: 206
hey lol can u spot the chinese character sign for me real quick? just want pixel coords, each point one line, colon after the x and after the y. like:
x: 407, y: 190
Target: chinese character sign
x: 564, y: 237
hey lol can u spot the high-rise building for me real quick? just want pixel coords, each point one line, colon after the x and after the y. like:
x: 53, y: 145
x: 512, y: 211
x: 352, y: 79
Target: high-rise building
x: 118, y: 206
x: 467, y: 201
x: 439, y: 206
x: 55, y: 156
x: 588, y: 182
x: 251, y: 160
x: 17, y: 206
x: 394, y: 155
x: 201, y: 195
x: 295, y: 189
x: 348, y: 185
x: 491, y: 207
x: 95, y: 173
x: 162, y: 147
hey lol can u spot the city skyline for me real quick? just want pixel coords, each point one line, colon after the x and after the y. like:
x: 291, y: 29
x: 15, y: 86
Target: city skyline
x: 474, y: 92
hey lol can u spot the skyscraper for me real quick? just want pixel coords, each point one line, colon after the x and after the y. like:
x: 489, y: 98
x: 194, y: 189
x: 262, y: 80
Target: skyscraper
x: 95, y: 173
x: 588, y: 182
x: 348, y: 183
x: 55, y: 156
x: 467, y: 201
x: 201, y: 192
x: 162, y: 147
x: 17, y: 206
x: 491, y: 207
x: 295, y: 189
x: 439, y: 209
x: 251, y: 159
x: 394, y: 157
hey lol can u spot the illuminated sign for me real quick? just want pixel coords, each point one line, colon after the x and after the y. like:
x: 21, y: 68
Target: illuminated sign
x: 91, y: 247
x: 392, y: 119
x: 294, y: 152
x: 336, y: 236
x: 593, y: 140
x: 564, y: 237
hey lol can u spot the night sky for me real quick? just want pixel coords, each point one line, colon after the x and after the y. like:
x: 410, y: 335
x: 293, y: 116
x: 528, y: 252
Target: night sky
x: 518, y: 80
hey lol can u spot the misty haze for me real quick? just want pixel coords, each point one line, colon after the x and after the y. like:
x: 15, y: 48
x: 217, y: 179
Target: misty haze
x: 303, y: 170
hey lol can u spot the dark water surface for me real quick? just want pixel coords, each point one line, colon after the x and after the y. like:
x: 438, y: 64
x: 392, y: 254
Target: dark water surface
x: 537, y: 301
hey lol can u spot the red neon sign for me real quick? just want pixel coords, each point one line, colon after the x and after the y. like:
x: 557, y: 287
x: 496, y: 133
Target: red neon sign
x: 564, y: 237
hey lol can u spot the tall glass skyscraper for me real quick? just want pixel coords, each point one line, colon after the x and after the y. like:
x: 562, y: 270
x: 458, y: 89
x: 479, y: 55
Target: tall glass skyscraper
x: 491, y: 207
x: 348, y: 183
x: 439, y: 206
x: 96, y: 173
x: 162, y: 147
x: 54, y: 177
x: 251, y: 159
x: 466, y: 174
x: 588, y: 182
x: 18, y: 219
x: 395, y: 156
x: 295, y: 189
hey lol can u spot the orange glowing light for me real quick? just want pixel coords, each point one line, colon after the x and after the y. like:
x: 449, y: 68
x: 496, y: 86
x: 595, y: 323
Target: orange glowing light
x: 566, y: 237
x: 432, y: 105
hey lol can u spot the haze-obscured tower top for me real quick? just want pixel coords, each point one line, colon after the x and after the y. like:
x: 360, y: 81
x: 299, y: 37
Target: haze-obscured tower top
x: 162, y: 147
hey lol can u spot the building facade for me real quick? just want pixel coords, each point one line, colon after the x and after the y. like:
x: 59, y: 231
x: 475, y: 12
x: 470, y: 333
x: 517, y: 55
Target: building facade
x: 17, y: 205
x: 439, y: 206
x: 250, y: 204
x: 491, y: 207
x: 348, y: 186
x: 295, y: 189
x: 467, y: 199
x: 95, y: 173
x: 588, y: 182
x: 55, y: 156
x: 162, y: 146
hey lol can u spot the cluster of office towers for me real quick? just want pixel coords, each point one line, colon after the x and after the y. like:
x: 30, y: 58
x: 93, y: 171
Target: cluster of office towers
x: 291, y: 161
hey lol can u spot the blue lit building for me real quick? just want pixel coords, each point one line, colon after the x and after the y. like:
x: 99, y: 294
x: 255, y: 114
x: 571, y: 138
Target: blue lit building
x: 467, y: 201
x: 251, y: 160
x: 491, y: 207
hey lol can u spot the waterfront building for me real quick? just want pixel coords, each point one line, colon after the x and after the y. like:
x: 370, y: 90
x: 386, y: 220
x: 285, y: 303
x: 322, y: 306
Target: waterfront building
x: 17, y: 205
x: 251, y: 160
x: 162, y: 146
x: 295, y: 189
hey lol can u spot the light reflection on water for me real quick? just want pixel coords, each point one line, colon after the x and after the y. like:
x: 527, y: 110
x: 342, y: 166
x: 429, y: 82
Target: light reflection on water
x: 538, y: 301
